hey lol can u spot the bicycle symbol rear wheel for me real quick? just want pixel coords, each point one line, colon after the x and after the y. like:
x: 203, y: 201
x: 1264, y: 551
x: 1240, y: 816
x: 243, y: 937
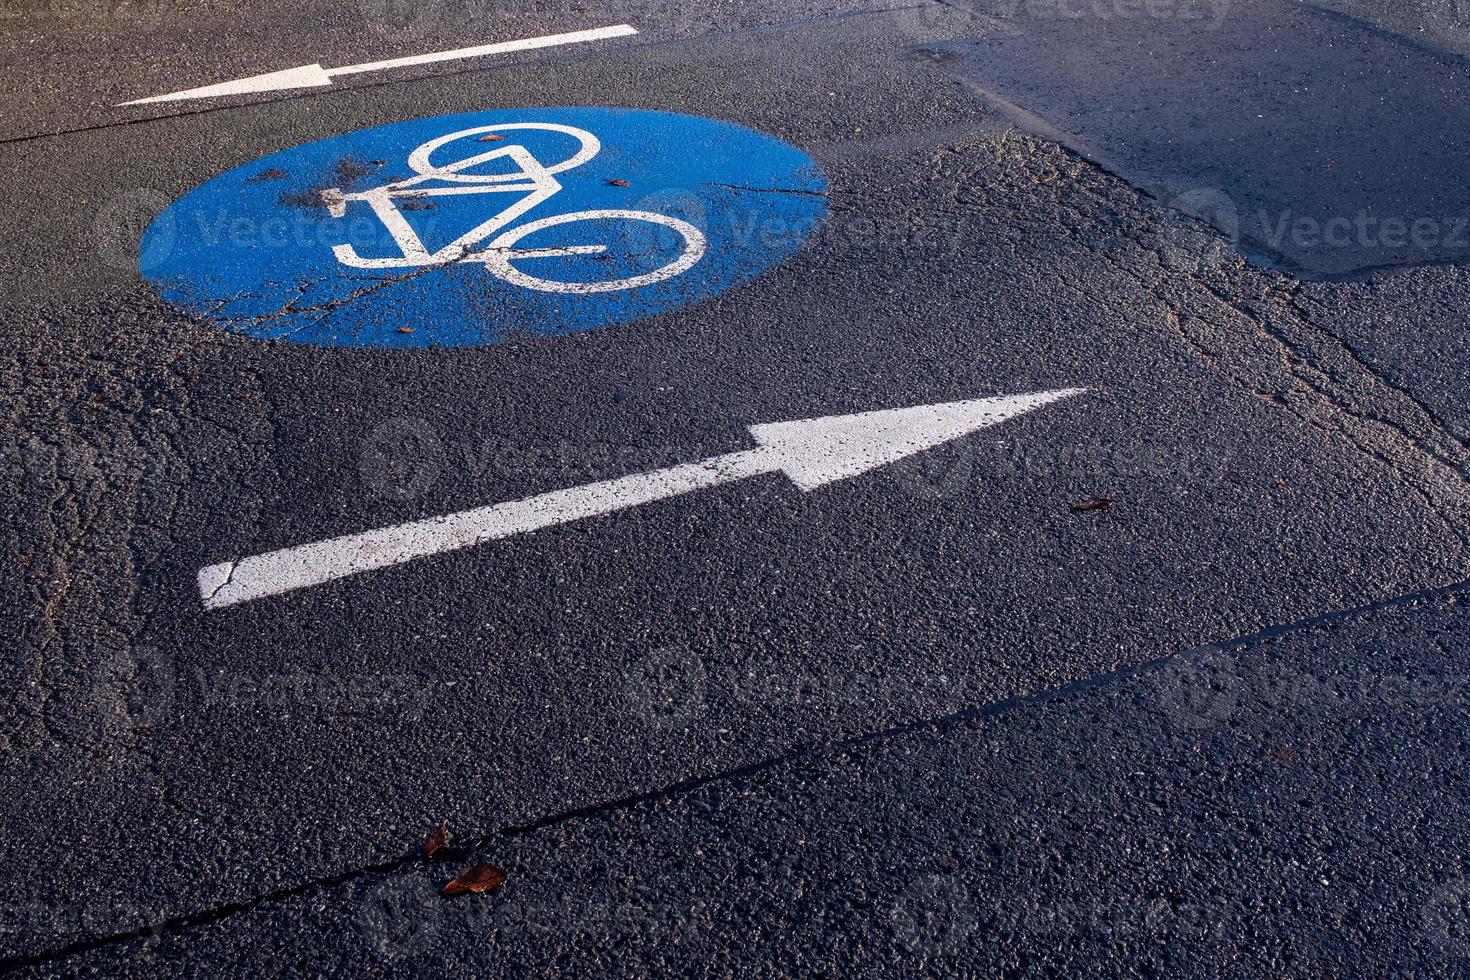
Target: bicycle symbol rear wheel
x: 499, y: 255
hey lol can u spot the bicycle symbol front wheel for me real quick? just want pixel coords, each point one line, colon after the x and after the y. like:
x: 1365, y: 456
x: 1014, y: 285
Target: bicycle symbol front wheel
x: 499, y: 255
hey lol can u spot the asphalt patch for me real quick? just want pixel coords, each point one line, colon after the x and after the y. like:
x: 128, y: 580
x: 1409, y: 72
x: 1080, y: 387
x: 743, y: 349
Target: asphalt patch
x: 1315, y: 142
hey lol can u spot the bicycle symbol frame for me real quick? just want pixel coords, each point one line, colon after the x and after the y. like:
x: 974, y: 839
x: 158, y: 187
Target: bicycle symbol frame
x: 538, y: 183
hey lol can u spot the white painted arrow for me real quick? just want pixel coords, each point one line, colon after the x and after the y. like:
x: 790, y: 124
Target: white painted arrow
x: 813, y: 452
x: 314, y: 76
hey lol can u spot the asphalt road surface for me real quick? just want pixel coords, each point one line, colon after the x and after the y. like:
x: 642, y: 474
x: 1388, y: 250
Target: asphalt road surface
x: 1161, y: 674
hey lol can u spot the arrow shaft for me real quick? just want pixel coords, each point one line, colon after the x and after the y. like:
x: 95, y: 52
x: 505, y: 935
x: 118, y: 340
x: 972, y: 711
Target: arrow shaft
x: 500, y: 47
x: 277, y: 572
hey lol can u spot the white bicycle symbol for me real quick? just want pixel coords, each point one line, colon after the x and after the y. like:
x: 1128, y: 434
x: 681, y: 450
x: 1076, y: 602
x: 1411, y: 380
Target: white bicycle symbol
x: 534, y: 179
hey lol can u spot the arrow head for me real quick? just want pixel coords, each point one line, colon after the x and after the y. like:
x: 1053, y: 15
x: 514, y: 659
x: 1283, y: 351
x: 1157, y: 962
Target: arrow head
x: 307, y: 76
x: 815, y: 452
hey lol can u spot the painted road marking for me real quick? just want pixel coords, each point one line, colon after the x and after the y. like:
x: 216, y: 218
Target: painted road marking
x: 531, y: 176
x: 314, y: 76
x: 477, y: 227
x: 811, y: 452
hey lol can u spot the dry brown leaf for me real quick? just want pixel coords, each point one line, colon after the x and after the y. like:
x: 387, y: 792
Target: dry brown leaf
x: 405, y: 329
x: 479, y: 879
x: 437, y: 839
x: 618, y: 182
x: 491, y: 138
x: 1094, y: 503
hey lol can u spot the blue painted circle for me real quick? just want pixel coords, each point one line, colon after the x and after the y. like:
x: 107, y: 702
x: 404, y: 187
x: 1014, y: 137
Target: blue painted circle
x: 521, y: 224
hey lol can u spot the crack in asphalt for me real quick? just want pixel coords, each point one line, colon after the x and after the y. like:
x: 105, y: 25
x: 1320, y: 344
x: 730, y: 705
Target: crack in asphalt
x: 772, y: 190
x: 1317, y: 376
x: 807, y: 752
x: 1316, y: 379
x: 102, y: 447
x: 1296, y: 300
x: 327, y: 307
x: 320, y: 312
x: 229, y: 577
x: 1314, y: 371
x: 1383, y: 423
